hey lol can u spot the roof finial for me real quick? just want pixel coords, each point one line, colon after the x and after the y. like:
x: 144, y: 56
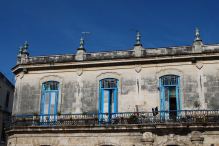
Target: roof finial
x: 138, y: 39
x: 197, y: 43
x: 23, y: 54
x: 81, y: 43
x: 20, y: 51
x: 25, y: 47
x: 81, y: 52
x: 197, y: 34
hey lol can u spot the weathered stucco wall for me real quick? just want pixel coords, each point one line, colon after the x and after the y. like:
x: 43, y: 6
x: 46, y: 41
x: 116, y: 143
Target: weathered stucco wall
x: 76, y: 139
x: 211, y: 86
x: 138, y: 86
x: 192, y: 138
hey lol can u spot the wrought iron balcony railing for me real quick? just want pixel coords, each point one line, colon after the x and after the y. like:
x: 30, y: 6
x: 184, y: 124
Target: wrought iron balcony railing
x: 126, y: 118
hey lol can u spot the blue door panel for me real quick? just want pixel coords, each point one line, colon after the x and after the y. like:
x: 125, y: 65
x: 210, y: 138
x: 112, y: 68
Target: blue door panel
x: 52, y: 95
x: 111, y: 94
x: 166, y: 83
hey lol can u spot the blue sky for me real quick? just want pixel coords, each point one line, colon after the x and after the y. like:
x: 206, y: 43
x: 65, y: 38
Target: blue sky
x: 55, y: 26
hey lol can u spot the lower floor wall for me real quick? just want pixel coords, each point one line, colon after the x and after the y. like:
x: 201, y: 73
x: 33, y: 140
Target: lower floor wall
x: 195, y: 138
x: 2, y: 144
x: 3, y: 122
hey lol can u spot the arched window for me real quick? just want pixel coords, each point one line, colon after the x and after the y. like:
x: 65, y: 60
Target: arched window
x: 49, y: 99
x: 169, y: 94
x: 108, y: 98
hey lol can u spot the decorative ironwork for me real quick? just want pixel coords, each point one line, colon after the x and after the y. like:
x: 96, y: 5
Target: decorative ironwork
x: 168, y: 80
x: 51, y: 85
x: 140, y: 118
x: 109, y: 83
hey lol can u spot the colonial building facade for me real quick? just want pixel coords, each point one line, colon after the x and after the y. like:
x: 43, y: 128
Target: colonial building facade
x: 6, y: 103
x: 143, y: 96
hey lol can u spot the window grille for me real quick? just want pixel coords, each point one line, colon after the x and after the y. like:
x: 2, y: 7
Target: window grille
x: 109, y: 83
x: 51, y: 85
x: 169, y: 80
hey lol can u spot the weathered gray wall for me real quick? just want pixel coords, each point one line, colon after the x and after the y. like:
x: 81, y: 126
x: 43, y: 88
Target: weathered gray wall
x: 89, y: 96
x: 70, y: 93
x: 212, y: 94
x: 190, y: 91
x: 138, y: 86
x: 211, y: 86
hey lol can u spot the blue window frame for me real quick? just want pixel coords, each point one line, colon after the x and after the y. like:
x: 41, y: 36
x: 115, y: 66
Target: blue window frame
x: 169, y: 95
x: 49, y: 100
x: 108, y: 98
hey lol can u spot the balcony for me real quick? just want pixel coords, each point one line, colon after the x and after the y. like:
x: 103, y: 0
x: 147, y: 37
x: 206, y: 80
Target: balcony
x: 180, y: 118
